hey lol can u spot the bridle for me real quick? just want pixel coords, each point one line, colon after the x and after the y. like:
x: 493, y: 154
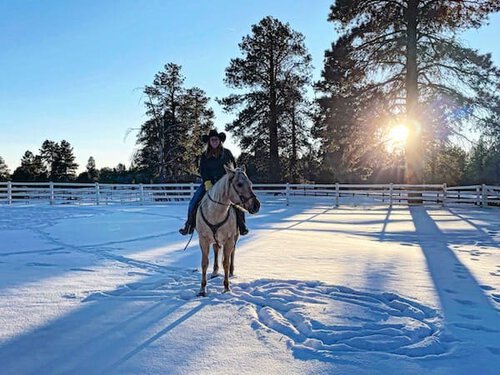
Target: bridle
x: 215, y: 227
x: 240, y: 196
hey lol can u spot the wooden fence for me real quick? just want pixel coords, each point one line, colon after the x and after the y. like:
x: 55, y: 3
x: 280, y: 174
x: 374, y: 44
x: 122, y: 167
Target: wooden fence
x: 337, y: 194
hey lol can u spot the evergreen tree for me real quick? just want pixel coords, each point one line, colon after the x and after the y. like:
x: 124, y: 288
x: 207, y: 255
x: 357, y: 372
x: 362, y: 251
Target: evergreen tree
x: 91, y: 174
x: 408, y: 51
x: 347, y: 123
x: 117, y: 175
x: 295, y: 132
x: 32, y: 168
x: 199, y: 117
x: 168, y: 140
x: 4, y: 171
x: 64, y: 166
x: 275, y: 63
x: 445, y: 163
x: 92, y: 171
x: 49, y: 156
x: 483, y: 164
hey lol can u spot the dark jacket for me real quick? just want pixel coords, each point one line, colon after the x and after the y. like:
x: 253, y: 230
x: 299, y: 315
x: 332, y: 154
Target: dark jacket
x: 212, y: 169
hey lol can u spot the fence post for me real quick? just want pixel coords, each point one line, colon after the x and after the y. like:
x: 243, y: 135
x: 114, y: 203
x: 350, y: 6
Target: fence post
x: 191, y: 193
x: 97, y: 193
x: 52, y: 196
x: 478, y: 195
x: 337, y: 194
x: 485, y: 196
x: 391, y: 190
x: 444, y: 193
x: 141, y: 193
x: 9, y: 192
x: 287, y: 193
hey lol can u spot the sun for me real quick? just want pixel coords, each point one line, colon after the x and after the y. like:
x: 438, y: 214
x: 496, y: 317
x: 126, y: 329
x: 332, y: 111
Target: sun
x: 397, y: 137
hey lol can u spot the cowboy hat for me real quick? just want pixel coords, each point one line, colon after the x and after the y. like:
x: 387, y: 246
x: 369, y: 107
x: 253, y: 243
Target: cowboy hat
x: 213, y: 133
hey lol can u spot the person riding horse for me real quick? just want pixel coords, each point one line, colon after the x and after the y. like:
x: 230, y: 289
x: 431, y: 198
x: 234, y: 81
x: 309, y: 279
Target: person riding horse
x: 212, y: 163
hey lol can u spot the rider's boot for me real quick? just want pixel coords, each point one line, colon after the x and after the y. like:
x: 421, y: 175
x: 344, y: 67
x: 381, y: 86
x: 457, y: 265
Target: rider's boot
x: 190, y: 224
x: 240, y: 219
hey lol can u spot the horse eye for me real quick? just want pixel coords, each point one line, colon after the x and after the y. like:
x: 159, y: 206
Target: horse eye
x: 239, y: 184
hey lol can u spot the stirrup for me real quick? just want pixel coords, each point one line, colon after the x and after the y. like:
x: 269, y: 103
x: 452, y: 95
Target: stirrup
x: 188, y: 229
x: 243, y: 231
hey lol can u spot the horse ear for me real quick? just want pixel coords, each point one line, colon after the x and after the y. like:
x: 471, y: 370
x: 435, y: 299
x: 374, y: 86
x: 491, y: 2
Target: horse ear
x: 244, y: 168
x: 229, y: 168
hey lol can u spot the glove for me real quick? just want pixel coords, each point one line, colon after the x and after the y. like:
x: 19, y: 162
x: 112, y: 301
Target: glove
x: 208, y: 185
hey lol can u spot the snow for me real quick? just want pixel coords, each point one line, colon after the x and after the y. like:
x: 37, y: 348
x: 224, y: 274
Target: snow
x: 359, y: 289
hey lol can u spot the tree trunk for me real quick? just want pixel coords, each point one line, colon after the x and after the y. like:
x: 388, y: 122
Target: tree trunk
x: 274, y: 172
x: 414, y: 151
x: 293, y: 164
x: 161, y: 156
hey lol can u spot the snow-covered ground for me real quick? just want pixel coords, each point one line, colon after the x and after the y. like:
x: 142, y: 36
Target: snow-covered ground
x: 320, y: 290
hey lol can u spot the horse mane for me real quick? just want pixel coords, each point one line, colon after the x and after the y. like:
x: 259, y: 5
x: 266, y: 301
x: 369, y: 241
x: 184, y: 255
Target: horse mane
x: 221, y: 187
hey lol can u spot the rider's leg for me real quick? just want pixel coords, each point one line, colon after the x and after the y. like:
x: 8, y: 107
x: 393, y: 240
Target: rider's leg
x: 193, y: 205
x: 240, y: 219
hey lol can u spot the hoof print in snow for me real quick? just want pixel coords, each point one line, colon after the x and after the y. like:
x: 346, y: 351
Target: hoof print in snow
x: 493, y: 350
x: 323, y: 321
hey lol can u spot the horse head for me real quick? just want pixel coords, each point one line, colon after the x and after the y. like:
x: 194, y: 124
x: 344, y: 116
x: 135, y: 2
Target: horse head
x: 240, y: 189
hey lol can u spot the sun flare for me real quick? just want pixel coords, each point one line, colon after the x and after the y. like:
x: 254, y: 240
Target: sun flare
x: 398, y: 136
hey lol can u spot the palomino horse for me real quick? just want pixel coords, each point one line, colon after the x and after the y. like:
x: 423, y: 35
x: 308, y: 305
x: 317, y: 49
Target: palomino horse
x: 216, y: 221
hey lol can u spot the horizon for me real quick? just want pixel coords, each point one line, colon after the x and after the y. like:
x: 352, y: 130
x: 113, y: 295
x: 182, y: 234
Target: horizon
x: 75, y: 70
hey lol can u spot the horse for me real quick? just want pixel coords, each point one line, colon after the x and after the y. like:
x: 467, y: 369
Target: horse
x: 216, y: 221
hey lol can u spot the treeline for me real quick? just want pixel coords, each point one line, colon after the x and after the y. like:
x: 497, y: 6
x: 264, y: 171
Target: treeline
x: 393, y: 62
x: 450, y: 164
x: 56, y: 162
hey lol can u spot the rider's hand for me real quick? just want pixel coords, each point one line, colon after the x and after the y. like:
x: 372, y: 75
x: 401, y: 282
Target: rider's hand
x: 208, y: 185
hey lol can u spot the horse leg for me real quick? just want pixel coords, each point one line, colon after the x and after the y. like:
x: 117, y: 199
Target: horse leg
x: 205, y: 248
x: 231, y: 264
x: 228, y: 250
x: 215, y: 272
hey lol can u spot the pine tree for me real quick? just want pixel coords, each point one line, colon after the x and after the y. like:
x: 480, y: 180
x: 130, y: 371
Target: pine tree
x: 32, y: 168
x: 63, y: 166
x: 483, y: 164
x: 169, y: 138
x: 346, y: 121
x: 49, y: 156
x: 4, y: 171
x: 91, y: 174
x: 445, y: 163
x: 275, y: 62
x: 295, y: 132
x: 92, y: 171
x: 409, y: 51
x: 199, y: 117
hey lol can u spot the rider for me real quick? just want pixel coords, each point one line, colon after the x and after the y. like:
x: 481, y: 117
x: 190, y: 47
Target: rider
x: 212, y: 163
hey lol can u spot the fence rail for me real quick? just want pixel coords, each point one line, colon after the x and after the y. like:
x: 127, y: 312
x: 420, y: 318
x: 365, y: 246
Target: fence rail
x: 95, y: 193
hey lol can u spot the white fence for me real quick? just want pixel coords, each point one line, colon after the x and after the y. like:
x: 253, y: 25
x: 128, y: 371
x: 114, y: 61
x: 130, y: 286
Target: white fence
x: 74, y: 193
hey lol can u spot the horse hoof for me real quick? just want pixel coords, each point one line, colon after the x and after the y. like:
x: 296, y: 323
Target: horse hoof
x: 214, y: 275
x: 227, y: 290
x: 202, y: 294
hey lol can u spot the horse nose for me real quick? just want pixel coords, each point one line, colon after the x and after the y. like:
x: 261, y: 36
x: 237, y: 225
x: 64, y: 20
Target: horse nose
x: 256, y: 205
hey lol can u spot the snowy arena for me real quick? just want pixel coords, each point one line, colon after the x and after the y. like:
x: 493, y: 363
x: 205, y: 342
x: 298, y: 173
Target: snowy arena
x: 318, y: 289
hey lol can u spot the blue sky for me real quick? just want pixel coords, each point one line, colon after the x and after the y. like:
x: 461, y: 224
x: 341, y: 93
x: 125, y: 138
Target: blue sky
x: 73, y: 69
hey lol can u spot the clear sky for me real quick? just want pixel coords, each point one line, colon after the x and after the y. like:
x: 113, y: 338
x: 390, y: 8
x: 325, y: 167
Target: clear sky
x: 73, y: 69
